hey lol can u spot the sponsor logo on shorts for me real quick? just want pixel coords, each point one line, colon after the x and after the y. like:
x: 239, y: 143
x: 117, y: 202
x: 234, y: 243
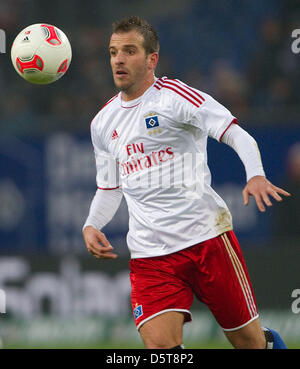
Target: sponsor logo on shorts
x: 138, y: 311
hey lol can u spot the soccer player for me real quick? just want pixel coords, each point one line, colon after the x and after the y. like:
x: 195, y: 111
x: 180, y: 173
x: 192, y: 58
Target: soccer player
x: 180, y: 232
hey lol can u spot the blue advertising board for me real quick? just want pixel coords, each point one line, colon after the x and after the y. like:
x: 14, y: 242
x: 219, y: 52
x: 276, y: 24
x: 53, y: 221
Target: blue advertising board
x: 47, y: 184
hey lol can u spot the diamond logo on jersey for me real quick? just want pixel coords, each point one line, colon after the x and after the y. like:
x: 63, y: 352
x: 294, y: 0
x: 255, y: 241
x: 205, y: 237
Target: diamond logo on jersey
x: 137, y: 312
x: 152, y: 122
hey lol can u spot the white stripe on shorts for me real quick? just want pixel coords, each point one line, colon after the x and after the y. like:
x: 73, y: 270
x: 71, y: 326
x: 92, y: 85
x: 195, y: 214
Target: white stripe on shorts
x: 242, y: 278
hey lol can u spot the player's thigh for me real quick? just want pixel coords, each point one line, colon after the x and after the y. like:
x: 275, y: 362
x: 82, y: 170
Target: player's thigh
x: 250, y: 336
x: 163, y: 331
x: 224, y: 284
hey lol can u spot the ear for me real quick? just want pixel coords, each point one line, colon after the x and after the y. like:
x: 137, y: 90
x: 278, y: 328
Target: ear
x: 153, y: 60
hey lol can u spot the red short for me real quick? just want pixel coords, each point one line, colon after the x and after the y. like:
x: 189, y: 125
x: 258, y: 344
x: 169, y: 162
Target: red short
x: 213, y: 270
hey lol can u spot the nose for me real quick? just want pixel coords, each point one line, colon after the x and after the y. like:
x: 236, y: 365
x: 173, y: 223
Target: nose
x: 119, y: 58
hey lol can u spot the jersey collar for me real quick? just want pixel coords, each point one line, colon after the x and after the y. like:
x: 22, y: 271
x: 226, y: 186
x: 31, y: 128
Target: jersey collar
x: 133, y: 103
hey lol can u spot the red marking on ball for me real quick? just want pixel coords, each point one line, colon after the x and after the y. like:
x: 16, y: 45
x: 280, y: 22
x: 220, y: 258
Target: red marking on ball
x: 35, y: 63
x: 63, y: 67
x: 53, y: 38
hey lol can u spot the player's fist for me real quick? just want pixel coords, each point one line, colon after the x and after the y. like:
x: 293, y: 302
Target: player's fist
x: 260, y: 188
x: 97, y: 244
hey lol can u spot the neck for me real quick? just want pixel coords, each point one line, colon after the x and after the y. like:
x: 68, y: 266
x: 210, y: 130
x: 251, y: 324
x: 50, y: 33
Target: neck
x: 133, y: 93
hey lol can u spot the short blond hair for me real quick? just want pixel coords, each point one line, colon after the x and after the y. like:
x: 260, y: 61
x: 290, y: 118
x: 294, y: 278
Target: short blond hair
x: 151, y: 41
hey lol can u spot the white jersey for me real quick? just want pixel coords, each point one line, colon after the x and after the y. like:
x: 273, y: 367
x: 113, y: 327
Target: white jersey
x: 157, y: 146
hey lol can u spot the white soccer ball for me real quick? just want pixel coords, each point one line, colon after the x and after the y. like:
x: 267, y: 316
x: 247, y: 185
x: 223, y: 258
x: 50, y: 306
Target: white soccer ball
x: 41, y: 53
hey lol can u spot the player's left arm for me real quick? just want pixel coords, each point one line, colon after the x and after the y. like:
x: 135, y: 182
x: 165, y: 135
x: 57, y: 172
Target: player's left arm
x: 214, y: 119
x: 257, y: 185
x: 261, y: 188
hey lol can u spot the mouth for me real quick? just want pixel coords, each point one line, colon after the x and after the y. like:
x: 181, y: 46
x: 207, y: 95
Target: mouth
x: 121, y: 73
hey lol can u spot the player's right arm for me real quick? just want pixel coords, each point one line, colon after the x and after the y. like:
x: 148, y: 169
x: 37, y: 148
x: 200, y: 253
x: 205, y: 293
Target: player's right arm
x: 105, y: 203
x: 97, y: 244
x: 103, y: 208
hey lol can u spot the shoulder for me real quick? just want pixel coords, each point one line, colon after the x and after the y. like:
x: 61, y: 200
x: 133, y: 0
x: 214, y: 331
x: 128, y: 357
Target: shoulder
x: 109, y: 106
x: 181, y: 91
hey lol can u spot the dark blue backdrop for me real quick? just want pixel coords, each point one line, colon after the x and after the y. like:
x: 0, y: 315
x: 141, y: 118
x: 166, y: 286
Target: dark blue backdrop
x: 47, y: 183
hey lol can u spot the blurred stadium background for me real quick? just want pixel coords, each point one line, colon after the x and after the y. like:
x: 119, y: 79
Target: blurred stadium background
x: 57, y: 295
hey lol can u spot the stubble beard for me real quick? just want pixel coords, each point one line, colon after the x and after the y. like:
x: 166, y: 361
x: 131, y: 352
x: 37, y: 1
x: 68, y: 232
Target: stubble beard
x: 132, y: 85
x: 126, y: 88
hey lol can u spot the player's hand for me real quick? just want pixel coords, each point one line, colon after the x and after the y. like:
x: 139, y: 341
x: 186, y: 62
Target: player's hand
x: 260, y: 188
x: 97, y: 244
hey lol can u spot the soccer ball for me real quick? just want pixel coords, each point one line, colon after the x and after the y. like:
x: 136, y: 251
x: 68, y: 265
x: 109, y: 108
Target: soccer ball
x: 41, y: 53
